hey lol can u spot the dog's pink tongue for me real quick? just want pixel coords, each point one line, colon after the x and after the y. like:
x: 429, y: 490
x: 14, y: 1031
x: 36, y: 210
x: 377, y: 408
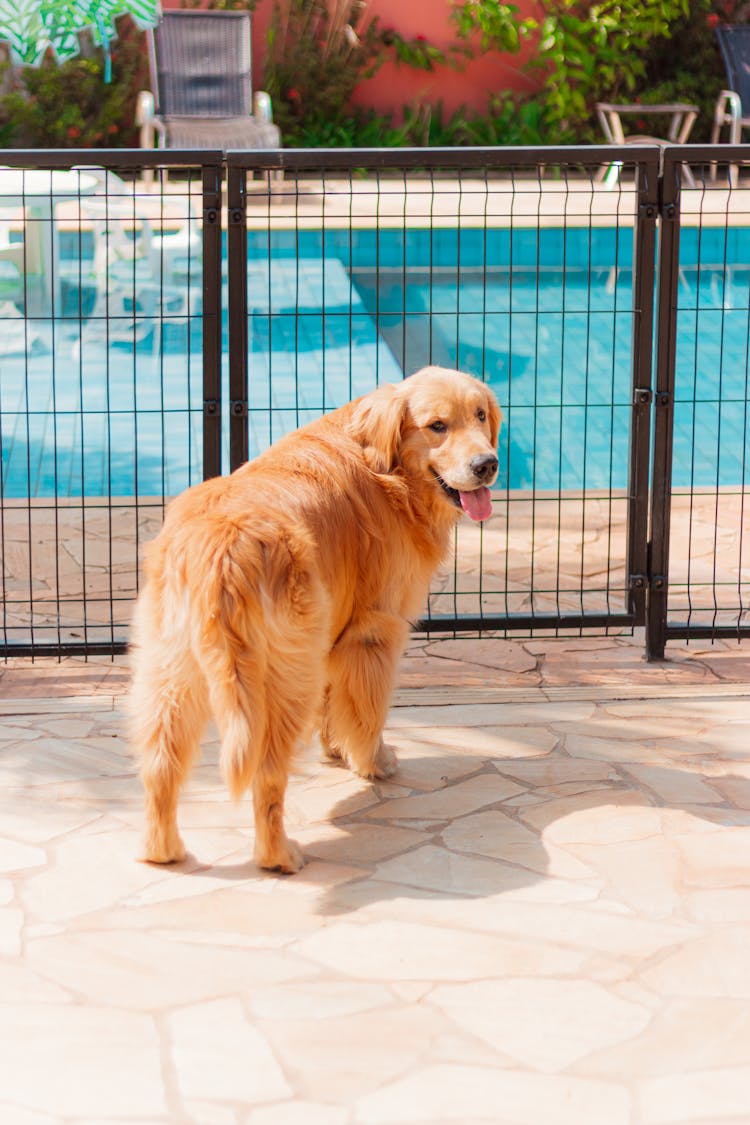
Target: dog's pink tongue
x: 477, y: 504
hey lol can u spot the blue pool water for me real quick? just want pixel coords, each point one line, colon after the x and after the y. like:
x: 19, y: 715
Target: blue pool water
x: 545, y: 316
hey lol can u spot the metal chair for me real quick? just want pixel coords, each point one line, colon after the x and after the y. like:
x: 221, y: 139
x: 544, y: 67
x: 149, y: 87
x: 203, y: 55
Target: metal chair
x: 733, y: 104
x: 201, y: 85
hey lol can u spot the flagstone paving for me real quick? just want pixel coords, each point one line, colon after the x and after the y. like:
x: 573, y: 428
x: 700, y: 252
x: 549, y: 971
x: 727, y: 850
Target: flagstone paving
x: 542, y: 919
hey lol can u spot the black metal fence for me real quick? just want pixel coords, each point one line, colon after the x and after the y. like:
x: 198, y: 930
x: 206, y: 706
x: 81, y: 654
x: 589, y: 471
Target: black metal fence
x: 155, y: 334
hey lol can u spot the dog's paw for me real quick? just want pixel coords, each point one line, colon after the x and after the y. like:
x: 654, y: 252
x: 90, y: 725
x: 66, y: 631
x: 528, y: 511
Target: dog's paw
x: 384, y: 764
x: 288, y: 859
x: 334, y: 755
x: 158, y: 848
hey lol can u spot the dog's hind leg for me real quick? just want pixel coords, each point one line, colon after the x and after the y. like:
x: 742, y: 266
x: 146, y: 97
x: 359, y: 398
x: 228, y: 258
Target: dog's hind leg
x: 264, y: 660
x: 362, y: 670
x: 168, y: 711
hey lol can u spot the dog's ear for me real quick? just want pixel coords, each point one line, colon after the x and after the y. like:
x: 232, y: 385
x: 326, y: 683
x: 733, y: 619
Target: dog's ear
x: 495, y: 416
x: 377, y: 423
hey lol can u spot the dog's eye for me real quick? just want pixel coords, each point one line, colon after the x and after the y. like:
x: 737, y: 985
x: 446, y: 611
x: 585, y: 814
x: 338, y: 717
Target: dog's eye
x: 481, y: 415
x: 438, y: 427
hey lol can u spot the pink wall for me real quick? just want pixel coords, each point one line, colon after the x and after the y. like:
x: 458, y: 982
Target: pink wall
x: 395, y: 86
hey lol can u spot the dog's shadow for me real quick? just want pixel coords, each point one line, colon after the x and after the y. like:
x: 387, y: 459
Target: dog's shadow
x: 458, y: 825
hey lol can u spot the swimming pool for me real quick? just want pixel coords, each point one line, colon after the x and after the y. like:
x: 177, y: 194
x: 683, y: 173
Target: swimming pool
x: 546, y: 316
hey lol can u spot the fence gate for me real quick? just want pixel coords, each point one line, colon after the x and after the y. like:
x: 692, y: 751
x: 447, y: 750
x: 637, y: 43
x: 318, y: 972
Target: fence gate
x: 700, y: 521
x: 531, y: 268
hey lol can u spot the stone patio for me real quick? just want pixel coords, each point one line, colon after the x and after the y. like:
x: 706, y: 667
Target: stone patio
x: 544, y: 918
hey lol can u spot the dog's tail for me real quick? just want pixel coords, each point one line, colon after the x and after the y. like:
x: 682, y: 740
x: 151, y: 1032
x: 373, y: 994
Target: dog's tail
x: 252, y: 630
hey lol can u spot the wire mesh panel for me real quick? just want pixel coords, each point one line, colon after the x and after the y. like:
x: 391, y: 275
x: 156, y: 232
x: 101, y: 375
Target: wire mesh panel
x: 708, y: 466
x: 359, y: 268
x: 102, y: 318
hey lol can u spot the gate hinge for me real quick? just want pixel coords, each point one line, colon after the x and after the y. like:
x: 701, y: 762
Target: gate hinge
x: 667, y: 211
x: 638, y: 581
x: 642, y: 396
x: 211, y: 406
x: 663, y: 398
x: 238, y: 408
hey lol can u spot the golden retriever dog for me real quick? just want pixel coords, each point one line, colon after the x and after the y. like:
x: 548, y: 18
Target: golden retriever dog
x: 279, y: 598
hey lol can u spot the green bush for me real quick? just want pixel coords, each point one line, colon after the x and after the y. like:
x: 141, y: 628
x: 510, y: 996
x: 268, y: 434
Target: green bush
x: 583, y: 52
x: 318, y: 52
x: 70, y: 105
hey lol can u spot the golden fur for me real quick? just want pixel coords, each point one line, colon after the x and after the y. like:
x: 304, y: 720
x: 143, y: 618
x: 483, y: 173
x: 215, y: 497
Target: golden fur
x: 278, y: 599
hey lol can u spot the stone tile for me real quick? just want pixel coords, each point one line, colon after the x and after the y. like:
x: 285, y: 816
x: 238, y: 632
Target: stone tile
x: 218, y: 1054
x: 321, y: 999
x: 20, y: 985
x: 717, y: 965
x: 706, y: 1095
x: 21, y: 1116
x: 731, y: 904
x: 17, y: 857
x: 452, y: 801
x: 339, y: 1059
x: 391, y: 950
x: 644, y: 874
x: 546, y: 1025
x: 356, y: 843
x: 299, y: 1113
x: 673, y: 786
x: 735, y: 790
x: 209, y: 1113
x: 11, y: 926
x: 149, y: 972
x: 719, y: 860
x: 683, y: 1036
x: 493, y: 834
x: 601, y: 817
x: 445, y: 872
x: 491, y: 714
x: 93, y: 1060
x: 480, y: 743
x: 506, y: 656
x: 557, y: 770
x: 455, y: 1093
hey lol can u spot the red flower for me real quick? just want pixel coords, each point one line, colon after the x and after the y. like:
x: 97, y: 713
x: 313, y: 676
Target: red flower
x: 113, y: 129
x: 712, y: 19
x: 74, y: 131
x: 293, y: 95
x: 421, y: 38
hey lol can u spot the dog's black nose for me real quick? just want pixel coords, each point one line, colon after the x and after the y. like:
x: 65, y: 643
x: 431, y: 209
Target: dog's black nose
x: 484, y: 467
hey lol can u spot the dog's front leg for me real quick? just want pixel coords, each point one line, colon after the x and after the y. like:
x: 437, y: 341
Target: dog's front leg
x: 362, y: 669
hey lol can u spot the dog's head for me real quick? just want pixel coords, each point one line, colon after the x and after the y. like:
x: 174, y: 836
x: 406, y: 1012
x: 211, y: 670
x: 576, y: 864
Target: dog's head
x: 440, y: 427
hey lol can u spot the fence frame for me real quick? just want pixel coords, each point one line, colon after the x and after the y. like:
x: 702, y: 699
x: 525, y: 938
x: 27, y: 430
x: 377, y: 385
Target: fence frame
x: 656, y: 234
x: 210, y: 162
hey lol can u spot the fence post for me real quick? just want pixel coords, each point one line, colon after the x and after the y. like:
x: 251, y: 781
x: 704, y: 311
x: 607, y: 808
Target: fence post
x: 237, y: 312
x: 644, y: 246
x: 666, y: 329
x: 211, y: 185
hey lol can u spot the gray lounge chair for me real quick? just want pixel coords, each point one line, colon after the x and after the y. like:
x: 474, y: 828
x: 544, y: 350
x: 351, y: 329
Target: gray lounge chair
x: 733, y: 104
x: 201, y: 80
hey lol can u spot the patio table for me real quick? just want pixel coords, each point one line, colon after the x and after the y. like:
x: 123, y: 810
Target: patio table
x: 682, y: 117
x: 38, y: 192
